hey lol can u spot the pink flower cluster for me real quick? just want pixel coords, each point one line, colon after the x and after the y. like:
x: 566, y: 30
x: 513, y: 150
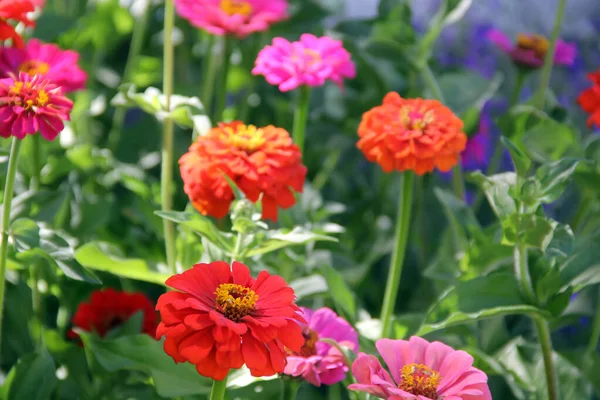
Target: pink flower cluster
x: 310, y: 61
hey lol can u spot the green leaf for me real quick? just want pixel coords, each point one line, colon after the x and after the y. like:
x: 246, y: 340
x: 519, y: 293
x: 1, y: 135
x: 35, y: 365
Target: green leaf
x: 32, y: 378
x: 104, y: 257
x: 459, y: 213
x: 497, y: 190
x: 588, y: 365
x: 309, y: 285
x: 562, y: 244
x: 529, y: 229
x: 554, y: 178
x: 25, y: 233
x: 143, y: 353
x: 341, y: 294
x: 582, y: 268
x: 202, y: 226
x: 468, y: 91
x: 484, y: 297
x: 275, y: 240
x: 520, y: 160
x: 549, y: 140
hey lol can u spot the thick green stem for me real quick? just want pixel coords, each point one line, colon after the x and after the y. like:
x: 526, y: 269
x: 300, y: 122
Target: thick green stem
x: 458, y: 181
x: 301, y: 116
x: 210, y: 67
x: 238, y: 246
x: 290, y: 389
x: 395, y: 273
x: 4, y: 224
x: 168, y: 128
x: 549, y: 60
x: 595, y: 338
x: 36, y: 166
x: 135, y: 49
x: 221, y: 96
x: 36, y: 300
x: 218, y: 389
x: 522, y: 272
x: 543, y: 332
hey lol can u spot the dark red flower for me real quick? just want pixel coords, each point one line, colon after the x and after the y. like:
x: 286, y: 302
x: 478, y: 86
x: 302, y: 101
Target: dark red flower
x: 14, y: 10
x: 109, y: 308
x: 589, y: 99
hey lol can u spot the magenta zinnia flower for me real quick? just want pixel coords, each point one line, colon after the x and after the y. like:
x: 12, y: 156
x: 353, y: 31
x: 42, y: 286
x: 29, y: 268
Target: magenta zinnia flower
x: 419, y: 371
x: 48, y: 60
x: 32, y: 104
x: 530, y: 50
x: 232, y: 17
x: 310, y: 61
x: 319, y: 362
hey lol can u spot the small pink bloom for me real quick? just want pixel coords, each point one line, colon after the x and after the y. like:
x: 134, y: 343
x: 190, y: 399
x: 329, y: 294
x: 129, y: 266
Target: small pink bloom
x: 48, y: 60
x: 530, y: 50
x: 232, y: 17
x: 419, y: 371
x: 319, y: 362
x: 32, y: 104
x: 310, y: 61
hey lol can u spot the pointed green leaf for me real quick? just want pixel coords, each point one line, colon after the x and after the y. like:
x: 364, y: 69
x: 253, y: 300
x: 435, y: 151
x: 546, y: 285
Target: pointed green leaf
x: 529, y: 229
x: 554, y: 178
x: 497, y: 190
x: 340, y: 293
x: 32, y: 378
x: 278, y: 239
x: 520, y: 160
x: 203, y: 226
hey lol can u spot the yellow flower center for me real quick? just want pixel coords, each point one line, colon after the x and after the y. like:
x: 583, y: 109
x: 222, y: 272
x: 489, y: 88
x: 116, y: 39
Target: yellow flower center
x: 245, y: 137
x: 34, y: 67
x: 28, y: 97
x: 235, y: 301
x: 420, y: 380
x: 233, y: 7
x: 536, y: 43
x: 413, y: 119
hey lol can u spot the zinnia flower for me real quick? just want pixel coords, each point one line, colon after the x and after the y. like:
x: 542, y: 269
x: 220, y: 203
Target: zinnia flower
x: 411, y: 134
x: 109, y: 308
x: 263, y: 162
x: 310, y: 61
x: 48, y: 60
x: 222, y: 318
x: 14, y: 10
x: 419, y: 371
x: 32, y: 104
x: 589, y: 99
x: 530, y: 50
x: 319, y: 362
x: 232, y: 17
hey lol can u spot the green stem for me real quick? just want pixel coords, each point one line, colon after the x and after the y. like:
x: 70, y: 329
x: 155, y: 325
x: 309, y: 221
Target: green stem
x: 135, y: 49
x: 540, y: 98
x: 522, y: 272
x: 238, y: 246
x: 36, y: 300
x: 209, y: 73
x: 595, y: 338
x: 395, y: 273
x: 8, y: 196
x: 34, y: 184
x: 221, y: 96
x: 168, y: 128
x: 543, y: 332
x: 290, y: 388
x: 301, y: 116
x: 218, y: 389
x: 458, y: 182
x: 431, y: 83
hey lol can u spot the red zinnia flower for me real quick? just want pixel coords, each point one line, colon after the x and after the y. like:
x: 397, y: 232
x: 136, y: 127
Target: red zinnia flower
x: 261, y: 161
x: 589, y: 99
x: 109, y: 308
x: 16, y: 10
x: 411, y: 134
x: 222, y: 318
x: 32, y: 104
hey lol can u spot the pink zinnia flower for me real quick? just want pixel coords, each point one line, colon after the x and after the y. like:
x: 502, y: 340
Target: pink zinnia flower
x: 232, y: 17
x: 48, y: 60
x: 530, y: 50
x: 420, y: 371
x: 319, y: 362
x: 310, y: 61
x: 32, y: 104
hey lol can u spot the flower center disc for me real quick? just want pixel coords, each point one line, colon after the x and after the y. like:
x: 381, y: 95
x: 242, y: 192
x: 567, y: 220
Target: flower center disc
x: 536, y: 43
x: 25, y: 95
x: 310, y: 343
x: 414, y: 120
x: 233, y: 7
x: 420, y: 380
x: 34, y: 67
x: 235, y: 301
x: 246, y: 137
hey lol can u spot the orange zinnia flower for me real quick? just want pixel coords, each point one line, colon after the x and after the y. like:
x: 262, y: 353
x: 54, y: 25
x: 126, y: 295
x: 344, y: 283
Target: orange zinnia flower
x: 261, y: 161
x: 589, y: 99
x: 222, y: 318
x: 411, y: 134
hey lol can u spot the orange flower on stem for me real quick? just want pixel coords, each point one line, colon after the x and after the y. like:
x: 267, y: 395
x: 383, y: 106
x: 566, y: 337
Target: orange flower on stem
x: 411, y: 134
x: 15, y: 10
x: 589, y: 99
x: 263, y: 162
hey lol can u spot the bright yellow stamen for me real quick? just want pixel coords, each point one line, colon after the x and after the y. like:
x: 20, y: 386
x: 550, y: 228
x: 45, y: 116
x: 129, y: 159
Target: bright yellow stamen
x: 235, y: 301
x: 537, y: 43
x: 35, y: 67
x: 16, y: 87
x: 413, y: 119
x: 245, y: 137
x: 233, y: 7
x: 420, y: 380
x: 42, y: 98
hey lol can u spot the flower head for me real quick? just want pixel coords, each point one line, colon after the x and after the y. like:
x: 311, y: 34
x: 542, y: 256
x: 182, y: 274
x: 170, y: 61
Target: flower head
x: 419, y: 370
x: 589, y: 99
x: 530, y: 50
x: 14, y: 10
x: 411, y: 134
x: 31, y: 104
x: 310, y: 61
x: 263, y: 162
x: 232, y: 17
x: 48, y: 60
x: 319, y: 362
x: 222, y: 318
x: 109, y: 308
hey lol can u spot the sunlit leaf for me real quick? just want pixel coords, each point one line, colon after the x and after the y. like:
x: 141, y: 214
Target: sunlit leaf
x: 275, y: 240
